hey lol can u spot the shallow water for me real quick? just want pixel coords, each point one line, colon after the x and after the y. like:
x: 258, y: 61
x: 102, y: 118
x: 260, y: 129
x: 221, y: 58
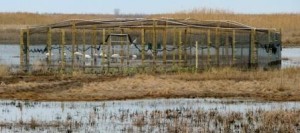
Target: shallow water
x: 115, y: 116
x: 291, y: 56
x: 9, y: 55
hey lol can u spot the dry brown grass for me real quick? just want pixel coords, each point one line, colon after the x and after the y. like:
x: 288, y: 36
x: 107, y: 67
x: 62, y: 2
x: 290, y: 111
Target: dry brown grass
x: 39, y: 19
x: 4, y: 70
x: 278, y: 85
x: 289, y: 23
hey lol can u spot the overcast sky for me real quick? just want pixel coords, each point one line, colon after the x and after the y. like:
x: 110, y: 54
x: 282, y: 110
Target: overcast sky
x: 148, y: 6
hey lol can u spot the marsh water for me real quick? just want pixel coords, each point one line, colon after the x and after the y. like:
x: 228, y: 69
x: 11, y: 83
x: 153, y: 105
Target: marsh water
x: 9, y: 54
x: 148, y: 115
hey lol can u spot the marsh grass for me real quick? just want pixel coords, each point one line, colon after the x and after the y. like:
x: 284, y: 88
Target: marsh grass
x: 4, y: 71
x: 288, y: 22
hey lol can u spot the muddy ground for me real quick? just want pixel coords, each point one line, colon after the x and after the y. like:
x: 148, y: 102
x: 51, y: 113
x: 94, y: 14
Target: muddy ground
x: 276, y: 85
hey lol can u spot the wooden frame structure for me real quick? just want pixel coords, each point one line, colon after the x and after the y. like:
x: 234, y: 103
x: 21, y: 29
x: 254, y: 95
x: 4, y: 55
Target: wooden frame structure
x: 220, y: 42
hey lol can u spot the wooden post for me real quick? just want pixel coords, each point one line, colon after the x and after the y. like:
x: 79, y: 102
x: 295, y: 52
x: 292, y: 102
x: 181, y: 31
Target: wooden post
x: 128, y: 52
x: 143, y: 45
x: 122, y: 48
x: 179, y: 47
x: 185, y: 46
x: 253, y: 52
x: 102, y: 47
x: 226, y: 49
x: 108, y: 54
x: 49, y: 42
x: 21, y: 50
x: 27, y: 50
x: 174, y: 46
x: 208, y: 47
x: 62, y: 52
x: 83, y: 48
x: 154, y: 43
x: 270, y: 41
x: 73, y: 44
x: 94, y: 46
x: 196, y: 55
x: 165, y: 45
x: 233, y: 47
x: 217, y: 43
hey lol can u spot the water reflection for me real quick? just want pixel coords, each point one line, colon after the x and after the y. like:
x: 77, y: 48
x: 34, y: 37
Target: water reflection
x: 118, y: 116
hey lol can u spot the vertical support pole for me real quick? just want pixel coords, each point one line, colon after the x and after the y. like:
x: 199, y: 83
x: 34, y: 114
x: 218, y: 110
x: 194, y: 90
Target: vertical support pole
x: 208, y: 47
x: 62, y: 56
x: 280, y: 42
x: 21, y: 50
x: 217, y: 42
x: 27, y: 50
x: 196, y: 55
x: 174, y: 46
x: 128, y: 52
x: 190, y: 46
x: 233, y: 47
x: 269, y: 43
x: 253, y: 52
x: 122, y: 48
x: 185, y: 46
x: 102, y: 48
x: 165, y: 45
x: 93, y: 48
x: 202, y: 42
x: 108, y: 54
x: 83, y: 48
x: 49, y: 42
x: 154, y: 44
x: 73, y: 44
x: 143, y: 45
x: 179, y: 47
x: 226, y: 49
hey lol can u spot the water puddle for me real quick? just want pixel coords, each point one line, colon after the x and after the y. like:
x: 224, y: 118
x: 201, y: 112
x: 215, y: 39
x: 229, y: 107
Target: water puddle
x: 159, y: 115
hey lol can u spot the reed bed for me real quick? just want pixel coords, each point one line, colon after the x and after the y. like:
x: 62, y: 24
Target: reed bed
x: 172, y: 120
x: 288, y: 22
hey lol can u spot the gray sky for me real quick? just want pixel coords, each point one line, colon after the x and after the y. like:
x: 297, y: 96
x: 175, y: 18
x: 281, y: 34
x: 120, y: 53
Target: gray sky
x: 148, y: 6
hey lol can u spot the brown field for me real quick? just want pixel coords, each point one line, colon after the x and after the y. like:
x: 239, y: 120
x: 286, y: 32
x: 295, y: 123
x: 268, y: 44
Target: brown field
x: 277, y: 85
x: 289, y: 23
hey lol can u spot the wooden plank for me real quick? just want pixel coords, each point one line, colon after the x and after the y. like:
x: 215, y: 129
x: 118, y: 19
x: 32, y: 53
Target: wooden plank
x: 27, y: 50
x: 154, y: 43
x: 227, y: 58
x: 49, y: 43
x: 21, y: 50
x: 63, y: 42
x: 185, y: 44
x: 73, y: 44
x: 208, y: 47
x: 122, y: 48
x: 102, y: 48
x: 174, y: 46
x: 179, y: 47
x: 165, y: 45
x: 253, y: 50
x: 143, y: 45
x: 233, y: 47
x: 196, y: 55
x: 94, y: 46
x: 217, y: 43
x: 83, y: 47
